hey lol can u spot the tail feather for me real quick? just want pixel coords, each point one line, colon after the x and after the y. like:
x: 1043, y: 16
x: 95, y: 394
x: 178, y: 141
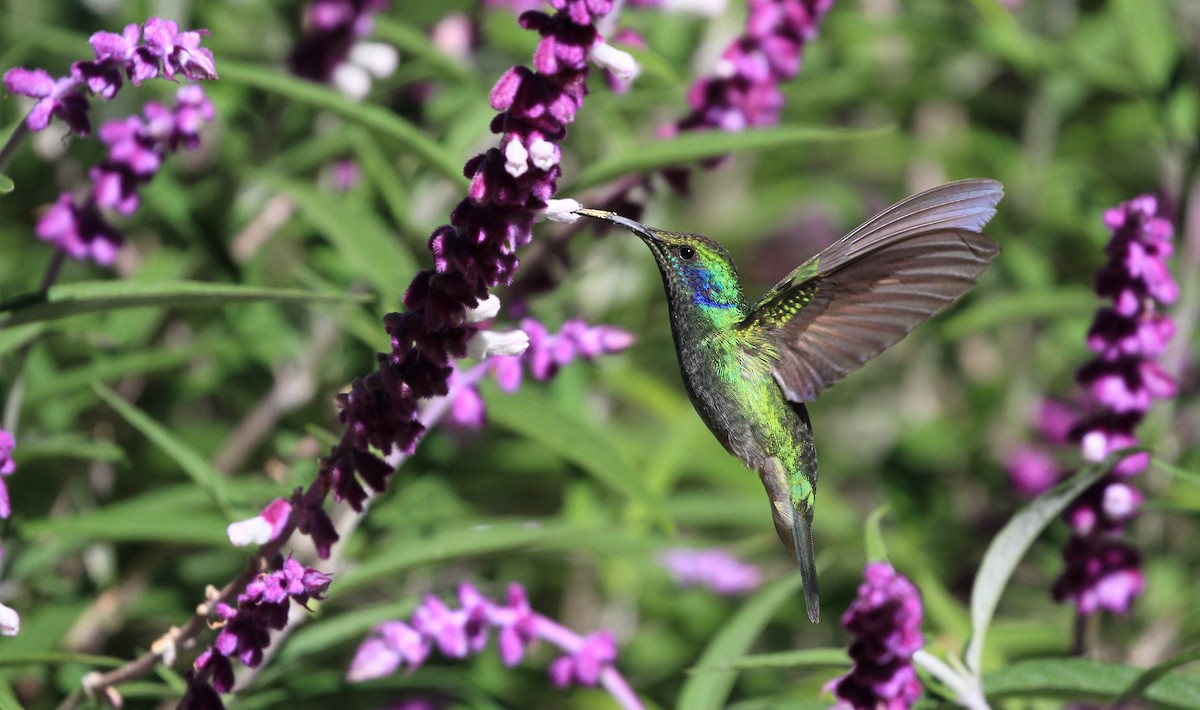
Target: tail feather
x: 802, y: 541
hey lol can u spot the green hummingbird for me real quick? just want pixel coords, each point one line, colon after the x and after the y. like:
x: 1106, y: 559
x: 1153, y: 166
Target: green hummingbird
x: 749, y: 369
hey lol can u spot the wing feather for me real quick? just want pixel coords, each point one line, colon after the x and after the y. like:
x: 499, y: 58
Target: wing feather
x: 872, y: 287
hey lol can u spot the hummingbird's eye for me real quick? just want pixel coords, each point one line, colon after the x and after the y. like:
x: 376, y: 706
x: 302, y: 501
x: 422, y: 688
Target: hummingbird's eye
x: 687, y: 253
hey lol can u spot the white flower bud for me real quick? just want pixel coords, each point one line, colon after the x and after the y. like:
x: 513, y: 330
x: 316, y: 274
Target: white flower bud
x: 486, y: 343
x: 560, y: 211
x: 516, y: 158
x: 621, y: 63
x: 484, y: 310
x: 378, y: 58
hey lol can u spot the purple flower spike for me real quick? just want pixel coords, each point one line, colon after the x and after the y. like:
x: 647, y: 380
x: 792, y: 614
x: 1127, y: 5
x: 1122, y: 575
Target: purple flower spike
x: 80, y: 230
x: 885, y: 623
x: 1122, y: 381
x: 716, y: 569
x: 458, y: 633
x: 166, y: 51
x: 745, y: 89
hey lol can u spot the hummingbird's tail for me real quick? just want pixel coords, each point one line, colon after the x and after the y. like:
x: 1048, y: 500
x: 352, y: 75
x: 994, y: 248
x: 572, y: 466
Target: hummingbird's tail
x: 802, y: 541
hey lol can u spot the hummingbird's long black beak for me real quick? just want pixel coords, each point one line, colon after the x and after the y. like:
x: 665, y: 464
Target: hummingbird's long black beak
x: 637, y: 228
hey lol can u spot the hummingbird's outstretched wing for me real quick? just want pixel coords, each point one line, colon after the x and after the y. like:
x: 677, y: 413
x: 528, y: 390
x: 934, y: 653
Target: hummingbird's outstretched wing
x: 873, y: 286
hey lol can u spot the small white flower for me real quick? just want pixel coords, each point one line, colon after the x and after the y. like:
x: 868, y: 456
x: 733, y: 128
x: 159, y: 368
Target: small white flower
x: 255, y: 531
x: 10, y: 621
x: 516, y: 158
x: 1094, y: 445
x: 377, y: 58
x: 1119, y: 501
x: 560, y: 211
x: 352, y: 80
x: 486, y: 343
x: 484, y: 310
x: 707, y: 8
x: 621, y: 63
x: 724, y: 69
x: 544, y: 154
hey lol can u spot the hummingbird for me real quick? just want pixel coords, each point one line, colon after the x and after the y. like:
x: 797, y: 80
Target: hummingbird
x: 749, y: 369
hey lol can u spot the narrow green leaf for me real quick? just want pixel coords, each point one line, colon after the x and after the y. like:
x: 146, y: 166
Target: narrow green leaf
x: 449, y: 545
x: 873, y: 534
x: 70, y: 446
x: 13, y: 338
x: 802, y: 658
x: 537, y: 417
x: 1014, y: 540
x: 179, y: 514
x: 92, y: 296
x: 368, y: 245
x: 6, y: 184
x: 1152, y: 675
x: 1019, y: 307
x: 1083, y: 679
x: 193, y: 464
x: 689, y: 147
x: 1182, y: 474
x: 56, y: 658
x: 8, y: 697
x: 377, y: 118
x: 709, y: 690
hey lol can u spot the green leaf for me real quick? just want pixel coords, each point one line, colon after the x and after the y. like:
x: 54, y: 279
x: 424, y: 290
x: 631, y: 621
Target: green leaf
x: 1152, y: 675
x: 178, y: 514
x: 1012, y: 542
x: 803, y: 658
x: 873, y: 534
x: 450, y: 545
x: 1182, y: 474
x: 376, y: 118
x: 70, y: 446
x: 13, y: 338
x: 193, y: 464
x: 692, y: 146
x: 1081, y: 679
x: 538, y: 418
x: 368, y: 245
x: 709, y: 689
x: 92, y: 296
x: 6, y: 184
x: 1019, y: 307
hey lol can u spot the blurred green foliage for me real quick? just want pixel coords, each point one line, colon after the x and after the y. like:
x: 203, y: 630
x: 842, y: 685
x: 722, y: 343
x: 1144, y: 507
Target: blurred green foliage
x: 134, y: 425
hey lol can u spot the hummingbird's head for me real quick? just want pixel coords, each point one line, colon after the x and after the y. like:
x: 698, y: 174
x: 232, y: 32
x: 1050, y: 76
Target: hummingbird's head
x: 695, y: 269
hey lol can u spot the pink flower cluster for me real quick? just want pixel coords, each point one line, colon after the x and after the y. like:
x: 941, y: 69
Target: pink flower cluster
x: 457, y: 633
x: 885, y: 623
x: 546, y: 353
x: 156, y: 48
x: 716, y: 569
x: 136, y: 148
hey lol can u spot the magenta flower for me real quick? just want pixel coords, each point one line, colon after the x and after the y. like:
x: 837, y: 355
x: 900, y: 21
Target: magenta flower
x: 166, y: 51
x: 334, y: 31
x: 885, y: 623
x: 716, y: 569
x: 137, y: 147
x: 7, y: 467
x: 510, y: 185
x: 544, y: 355
x: 744, y: 91
x: 1122, y: 381
x: 245, y: 630
x: 59, y: 98
x: 458, y: 633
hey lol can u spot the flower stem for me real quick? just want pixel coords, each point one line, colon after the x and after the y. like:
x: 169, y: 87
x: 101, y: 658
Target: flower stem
x: 14, y: 141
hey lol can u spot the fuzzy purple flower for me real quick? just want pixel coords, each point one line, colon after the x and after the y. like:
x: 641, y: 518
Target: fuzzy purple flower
x: 165, y: 51
x: 458, y: 633
x: 245, y: 629
x: 136, y: 148
x: 545, y: 354
x: 716, y: 569
x: 885, y: 623
x: 510, y: 185
x: 744, y: 90
x: 1122, y: 380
